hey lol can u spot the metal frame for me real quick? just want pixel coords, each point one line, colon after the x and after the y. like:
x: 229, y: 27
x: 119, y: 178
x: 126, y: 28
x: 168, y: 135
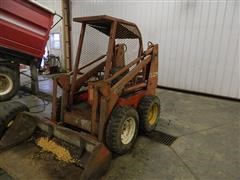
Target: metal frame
x: 125, y: 87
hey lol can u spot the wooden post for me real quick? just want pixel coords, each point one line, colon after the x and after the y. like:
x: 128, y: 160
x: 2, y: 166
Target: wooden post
x: 54, y: 100
x: 34, y: 75
x: 67, y: 35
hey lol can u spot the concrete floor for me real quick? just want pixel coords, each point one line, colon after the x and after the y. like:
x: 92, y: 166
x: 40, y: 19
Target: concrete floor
x: 207, y: 147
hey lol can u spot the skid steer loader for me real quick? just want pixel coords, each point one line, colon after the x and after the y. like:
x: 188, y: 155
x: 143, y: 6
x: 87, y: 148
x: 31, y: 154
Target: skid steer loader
x: 106, y: 100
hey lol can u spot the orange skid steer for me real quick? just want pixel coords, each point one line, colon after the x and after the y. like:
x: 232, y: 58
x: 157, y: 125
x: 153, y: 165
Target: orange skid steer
x: 106, y: 100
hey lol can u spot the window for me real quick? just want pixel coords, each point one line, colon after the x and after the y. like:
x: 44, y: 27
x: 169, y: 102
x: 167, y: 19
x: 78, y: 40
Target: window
x: 55, y: 41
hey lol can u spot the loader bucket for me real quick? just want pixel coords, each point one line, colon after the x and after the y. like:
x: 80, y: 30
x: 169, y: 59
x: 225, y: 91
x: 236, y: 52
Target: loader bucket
x: 71, y: 146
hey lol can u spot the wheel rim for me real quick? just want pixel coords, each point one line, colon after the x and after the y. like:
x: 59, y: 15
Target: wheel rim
x: 6, y: 84
x: 153, y: 114
x: 128, y: 130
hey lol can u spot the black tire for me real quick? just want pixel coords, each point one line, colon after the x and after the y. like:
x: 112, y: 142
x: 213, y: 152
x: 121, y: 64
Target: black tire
x: 8, y: 111
x: 144, y: 108
x: 9, y: 83
x: 114, y: 129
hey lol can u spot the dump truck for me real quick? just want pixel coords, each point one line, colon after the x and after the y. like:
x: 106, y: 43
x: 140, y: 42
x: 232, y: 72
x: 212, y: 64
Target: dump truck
x: 106, y: 101
x: 24, y: 32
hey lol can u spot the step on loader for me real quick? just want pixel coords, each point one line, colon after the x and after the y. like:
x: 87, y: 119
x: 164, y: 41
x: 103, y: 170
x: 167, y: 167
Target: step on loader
x: 106, y: 100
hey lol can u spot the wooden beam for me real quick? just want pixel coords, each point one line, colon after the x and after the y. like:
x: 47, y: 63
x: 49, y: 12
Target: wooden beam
x: 67, y: 35
x: 34, y: 75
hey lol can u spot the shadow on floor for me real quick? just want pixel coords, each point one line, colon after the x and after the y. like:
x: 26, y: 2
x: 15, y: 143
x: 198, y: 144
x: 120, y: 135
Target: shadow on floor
x: 4, y: 175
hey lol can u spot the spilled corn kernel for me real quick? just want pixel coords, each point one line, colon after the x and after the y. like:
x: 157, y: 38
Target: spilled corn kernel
x: 60, y: 152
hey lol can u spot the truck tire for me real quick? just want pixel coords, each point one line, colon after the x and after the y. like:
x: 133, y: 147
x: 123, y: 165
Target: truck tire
x: 149, y: 110
x: 122, y: 129
x: 9, y: 83
x: 8, y: 111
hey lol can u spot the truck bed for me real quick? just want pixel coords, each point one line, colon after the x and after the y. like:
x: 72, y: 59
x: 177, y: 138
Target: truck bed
x: 25, y: 27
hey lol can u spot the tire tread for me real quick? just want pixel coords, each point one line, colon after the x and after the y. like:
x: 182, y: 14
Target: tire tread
x: 112, y: 131
x: 143, y: 108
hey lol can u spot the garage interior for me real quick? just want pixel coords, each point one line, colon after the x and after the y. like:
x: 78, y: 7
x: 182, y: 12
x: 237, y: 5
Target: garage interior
x: 197, y: 135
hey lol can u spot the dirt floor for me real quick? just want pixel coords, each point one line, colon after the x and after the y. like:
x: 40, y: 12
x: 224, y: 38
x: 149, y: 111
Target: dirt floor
x: 206, y: 147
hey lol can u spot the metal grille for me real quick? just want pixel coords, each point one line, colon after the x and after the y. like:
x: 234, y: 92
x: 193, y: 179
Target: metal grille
x: 162, y: 138
x: 131, y: 43
x: 132, y: 49
x: 95, y: 44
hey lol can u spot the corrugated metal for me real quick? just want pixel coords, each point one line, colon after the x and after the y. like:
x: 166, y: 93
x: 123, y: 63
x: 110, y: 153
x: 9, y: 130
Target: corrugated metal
x: 199, y: 40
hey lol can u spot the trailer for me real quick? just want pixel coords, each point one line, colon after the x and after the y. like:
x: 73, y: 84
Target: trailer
x: 25, y: 27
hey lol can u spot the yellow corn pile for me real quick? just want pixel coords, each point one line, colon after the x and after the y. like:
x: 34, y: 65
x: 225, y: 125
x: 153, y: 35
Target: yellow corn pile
x: 61, y: 153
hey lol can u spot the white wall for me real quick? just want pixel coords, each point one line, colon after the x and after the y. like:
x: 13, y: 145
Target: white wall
x: 199, y: 40
x: 55, y: 5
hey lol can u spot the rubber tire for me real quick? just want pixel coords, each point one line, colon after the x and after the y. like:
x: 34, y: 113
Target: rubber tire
x: 14, y: 76
x: 113, y: 131
x: 8, y: 111
x: 143, y: 109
